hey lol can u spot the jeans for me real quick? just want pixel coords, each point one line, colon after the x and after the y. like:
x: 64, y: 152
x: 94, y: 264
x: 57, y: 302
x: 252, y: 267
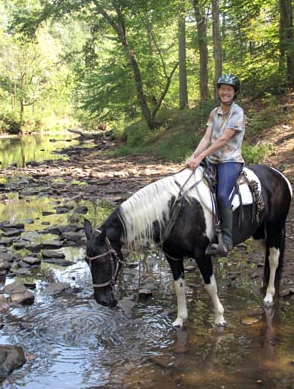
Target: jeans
x: 227, y: 174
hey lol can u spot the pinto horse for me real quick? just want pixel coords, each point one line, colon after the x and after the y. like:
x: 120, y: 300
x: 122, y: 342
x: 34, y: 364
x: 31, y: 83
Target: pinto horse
x: 184, y: 231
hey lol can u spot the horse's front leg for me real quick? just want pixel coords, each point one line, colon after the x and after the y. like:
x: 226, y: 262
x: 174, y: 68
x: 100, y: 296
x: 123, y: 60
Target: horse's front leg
x: 177, y: 268
x: 206, y: 269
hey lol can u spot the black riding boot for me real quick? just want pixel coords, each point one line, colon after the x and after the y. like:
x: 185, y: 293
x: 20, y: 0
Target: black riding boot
x: 222, y: 248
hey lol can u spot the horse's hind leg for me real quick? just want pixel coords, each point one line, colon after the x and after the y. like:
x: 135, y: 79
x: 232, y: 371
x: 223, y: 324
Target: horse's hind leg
x: 206, y: 269
x: 274, y: 248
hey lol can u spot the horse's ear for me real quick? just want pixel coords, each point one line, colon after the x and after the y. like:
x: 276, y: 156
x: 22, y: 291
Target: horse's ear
x: 88, y: 228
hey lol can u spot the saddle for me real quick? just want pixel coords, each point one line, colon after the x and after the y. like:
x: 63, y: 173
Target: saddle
x: 237, y: 199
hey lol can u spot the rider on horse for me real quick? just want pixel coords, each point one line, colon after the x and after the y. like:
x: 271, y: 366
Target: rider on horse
x: 221, y: 145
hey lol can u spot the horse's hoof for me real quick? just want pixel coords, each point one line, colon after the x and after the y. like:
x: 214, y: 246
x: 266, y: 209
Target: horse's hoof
x: 178, y: 323
x: 221, y: 325
x: 268, y: 301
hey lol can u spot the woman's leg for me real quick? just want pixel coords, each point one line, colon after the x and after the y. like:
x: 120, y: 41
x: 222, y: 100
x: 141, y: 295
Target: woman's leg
x: 227, y: 174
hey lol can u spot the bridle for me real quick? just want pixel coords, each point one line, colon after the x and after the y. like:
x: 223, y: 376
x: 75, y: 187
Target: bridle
x: 115, y: 262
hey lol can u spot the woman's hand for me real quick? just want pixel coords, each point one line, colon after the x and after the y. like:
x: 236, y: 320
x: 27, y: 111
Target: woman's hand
x: 194, y: 161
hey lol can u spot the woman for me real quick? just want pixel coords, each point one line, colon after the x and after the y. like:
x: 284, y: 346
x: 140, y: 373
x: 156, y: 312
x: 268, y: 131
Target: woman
x: 221, y: 144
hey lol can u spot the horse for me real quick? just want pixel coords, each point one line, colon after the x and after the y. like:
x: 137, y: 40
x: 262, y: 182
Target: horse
x: 177, y: 214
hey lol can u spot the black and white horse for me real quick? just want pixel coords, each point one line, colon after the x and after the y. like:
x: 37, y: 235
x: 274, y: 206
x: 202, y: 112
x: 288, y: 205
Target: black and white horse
x: 185, y: 231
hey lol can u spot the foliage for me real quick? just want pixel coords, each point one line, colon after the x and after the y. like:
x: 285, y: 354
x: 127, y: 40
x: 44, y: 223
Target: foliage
x: 181, y: 130
x: 8, y: 124
x: 255, y: 153
x: 68, y: 62
x: 176, y: 137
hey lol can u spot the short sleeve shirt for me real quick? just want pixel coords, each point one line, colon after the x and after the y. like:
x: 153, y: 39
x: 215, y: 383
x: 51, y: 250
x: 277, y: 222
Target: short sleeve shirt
x: 219, y: 121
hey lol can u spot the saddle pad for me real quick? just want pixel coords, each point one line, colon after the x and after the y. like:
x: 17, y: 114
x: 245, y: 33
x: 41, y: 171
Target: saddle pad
x: 203, y: 191
x: 245, y: 191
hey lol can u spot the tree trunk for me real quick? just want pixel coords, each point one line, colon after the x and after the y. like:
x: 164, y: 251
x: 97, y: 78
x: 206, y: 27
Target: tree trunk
x: 203, y: 50
x: 286, y: 40
x: 118, y: 24
x: 217, y: 44
x: 183, y: 91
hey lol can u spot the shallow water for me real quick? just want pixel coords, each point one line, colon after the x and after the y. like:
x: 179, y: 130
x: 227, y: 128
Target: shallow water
x: 20, y: 150
x: 71, y: 342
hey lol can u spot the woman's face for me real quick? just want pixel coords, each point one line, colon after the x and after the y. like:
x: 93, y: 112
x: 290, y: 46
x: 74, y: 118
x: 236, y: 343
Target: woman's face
x: 226, y: 93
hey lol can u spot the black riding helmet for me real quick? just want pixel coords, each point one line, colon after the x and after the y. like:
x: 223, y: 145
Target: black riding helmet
x: 229, y: 79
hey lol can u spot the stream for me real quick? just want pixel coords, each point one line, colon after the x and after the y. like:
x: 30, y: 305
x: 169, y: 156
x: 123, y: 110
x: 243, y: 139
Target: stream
x: 71, y: 342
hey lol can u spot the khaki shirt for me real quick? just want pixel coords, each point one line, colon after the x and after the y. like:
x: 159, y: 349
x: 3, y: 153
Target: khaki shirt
x: 233, y: 119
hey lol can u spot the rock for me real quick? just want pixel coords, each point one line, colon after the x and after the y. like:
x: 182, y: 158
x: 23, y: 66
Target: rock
x: 20, y: 272
x: 23, y: 298
x: 4, y: 304
x: 126, y: 304
x: 57, y: 287
x: 15, y: 287
x: 18, y: 293
x: 6, y: 225
x: 53, y: 254
x: 145, y: 293
x: 83, y: 209
x: 73, y: 236
x: 20, y: 245
x: 11, y: 232
x: 34, y: 248
x: 6, y: 241
x: 248, y: 321
x: 11, y: 357
x: 4, y: 264
x: 47, y: 213
x: 55, y: 244
x: 30, y: 285
x: 58, y: 261
x: 32, y: 260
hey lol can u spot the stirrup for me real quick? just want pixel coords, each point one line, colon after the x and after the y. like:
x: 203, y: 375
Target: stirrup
x: 217, y: 249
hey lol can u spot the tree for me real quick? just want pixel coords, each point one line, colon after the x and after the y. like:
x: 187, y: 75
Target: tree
x: 182, y: 61
x: 217, y: 43
x: 120, y: 16
x: 286, y: 40
x: 199, y: 9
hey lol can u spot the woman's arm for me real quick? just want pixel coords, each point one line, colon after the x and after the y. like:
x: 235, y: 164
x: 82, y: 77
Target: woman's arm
x: 201, y: 151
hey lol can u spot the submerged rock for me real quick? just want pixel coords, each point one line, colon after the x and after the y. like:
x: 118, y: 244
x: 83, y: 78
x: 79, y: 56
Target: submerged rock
x: 18, y: 293
x: 57, y: 287
x: 11, y: 357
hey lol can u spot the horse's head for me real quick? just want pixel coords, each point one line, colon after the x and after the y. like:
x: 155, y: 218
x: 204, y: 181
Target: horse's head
x: 104, y: 264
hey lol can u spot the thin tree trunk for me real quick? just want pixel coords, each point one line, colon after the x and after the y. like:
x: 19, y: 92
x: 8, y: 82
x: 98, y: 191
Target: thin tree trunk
x: 203, y: 50
x: 217, y: 43
x: 286, y: 40
x: 183, y: 90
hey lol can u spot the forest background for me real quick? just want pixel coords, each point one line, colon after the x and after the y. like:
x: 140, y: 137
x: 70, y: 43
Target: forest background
x: 145, y: 70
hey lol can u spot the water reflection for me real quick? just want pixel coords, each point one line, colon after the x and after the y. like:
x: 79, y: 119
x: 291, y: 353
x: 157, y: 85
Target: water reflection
x: 23, y: 149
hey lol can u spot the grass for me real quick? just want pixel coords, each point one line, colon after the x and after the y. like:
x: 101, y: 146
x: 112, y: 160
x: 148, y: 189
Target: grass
x: 179, y: 131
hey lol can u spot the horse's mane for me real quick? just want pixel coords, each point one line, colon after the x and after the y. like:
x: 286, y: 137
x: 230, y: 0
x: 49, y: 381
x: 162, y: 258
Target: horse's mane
x: 150, y: 204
